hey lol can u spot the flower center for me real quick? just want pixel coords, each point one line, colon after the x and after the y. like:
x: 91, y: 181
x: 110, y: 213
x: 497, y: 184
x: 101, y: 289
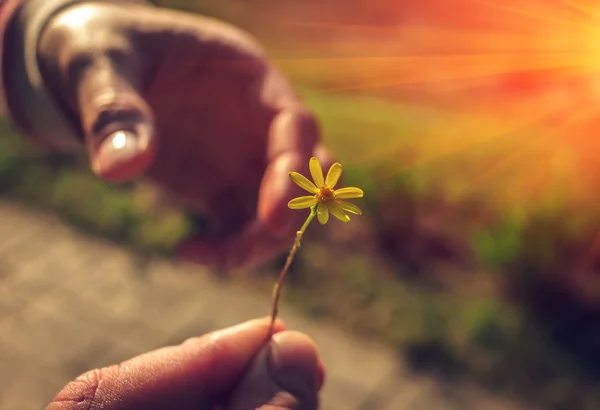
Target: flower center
x: 325, y: 195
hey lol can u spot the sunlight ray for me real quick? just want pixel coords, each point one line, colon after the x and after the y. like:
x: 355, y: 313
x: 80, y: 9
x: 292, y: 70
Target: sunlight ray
x: 445, y: 38
x: 539, y: 15
x: 512, y: 158
x: 512, y: 94
x: 381, y: 72
x: 584, y: 8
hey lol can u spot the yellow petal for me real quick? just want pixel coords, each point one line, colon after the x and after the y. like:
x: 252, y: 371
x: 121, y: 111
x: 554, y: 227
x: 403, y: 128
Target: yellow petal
x: 316, y: 171
x: 348, y: 193
x: 302, y: 202
x: 334, y: 174
x: 347, y: 206
x: 303, y: 182
x: 336, y: 210
x: 322, y: 213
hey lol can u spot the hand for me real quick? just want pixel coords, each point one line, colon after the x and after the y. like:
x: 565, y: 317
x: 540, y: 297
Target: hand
x: 231, y: 369
x: 194, y: 104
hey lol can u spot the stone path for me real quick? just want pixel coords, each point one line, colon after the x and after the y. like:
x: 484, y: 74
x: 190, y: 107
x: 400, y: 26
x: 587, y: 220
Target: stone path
x: 70, y: 302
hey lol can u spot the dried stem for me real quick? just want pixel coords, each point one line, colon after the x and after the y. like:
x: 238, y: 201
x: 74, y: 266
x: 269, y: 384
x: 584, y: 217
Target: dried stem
x: 279, y: 284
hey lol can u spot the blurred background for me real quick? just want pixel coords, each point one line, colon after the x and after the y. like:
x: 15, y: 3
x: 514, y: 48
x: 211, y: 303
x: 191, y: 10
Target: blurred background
x: 472, y: 126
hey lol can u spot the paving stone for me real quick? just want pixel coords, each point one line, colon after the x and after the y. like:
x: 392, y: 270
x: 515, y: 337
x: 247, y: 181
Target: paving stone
x: 90, y: 357
x: 343, y: 353
x: 30, y: 280
x: 114, y: 355
x: 16, y: 238
x: 30, y: 386
x: 422, y: 393
x: 9, y: 304
x: 406, y: 395
x: 33, y: 275
x: 107, y: 284
x: 101, y: 323
x: 472, y: 397
x: 194, y: 328
x: 171, y: 300
x: 43, y: 337
x: 339, y: 394
x: 232, y: 304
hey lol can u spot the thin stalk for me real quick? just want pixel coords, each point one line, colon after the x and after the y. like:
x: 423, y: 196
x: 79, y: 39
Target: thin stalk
x: 279, y: 284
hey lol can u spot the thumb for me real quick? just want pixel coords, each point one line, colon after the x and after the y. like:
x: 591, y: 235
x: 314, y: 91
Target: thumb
x: 286, y: 374
x: 117, y: 122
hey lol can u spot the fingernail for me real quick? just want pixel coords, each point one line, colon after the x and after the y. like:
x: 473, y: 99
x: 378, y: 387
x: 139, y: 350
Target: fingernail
x: 121, y: 156
x: 119, y: 147
x: 294, y: 364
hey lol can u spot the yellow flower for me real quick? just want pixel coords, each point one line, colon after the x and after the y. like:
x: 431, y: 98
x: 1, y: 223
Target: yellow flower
x: 328, y: 199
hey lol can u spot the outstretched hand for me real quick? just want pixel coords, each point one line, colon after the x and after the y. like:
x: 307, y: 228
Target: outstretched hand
x: 194, y: 104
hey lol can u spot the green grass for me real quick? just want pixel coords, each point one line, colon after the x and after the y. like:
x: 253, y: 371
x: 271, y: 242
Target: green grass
x: 67, y: 186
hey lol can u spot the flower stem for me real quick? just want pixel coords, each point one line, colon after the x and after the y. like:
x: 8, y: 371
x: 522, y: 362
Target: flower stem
x: 286, y: 267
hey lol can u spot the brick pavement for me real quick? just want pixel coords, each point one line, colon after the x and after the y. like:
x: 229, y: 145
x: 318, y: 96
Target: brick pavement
x: 70, y: 302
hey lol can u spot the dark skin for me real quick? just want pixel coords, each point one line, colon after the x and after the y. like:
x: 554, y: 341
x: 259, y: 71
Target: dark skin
x: 207, y: 117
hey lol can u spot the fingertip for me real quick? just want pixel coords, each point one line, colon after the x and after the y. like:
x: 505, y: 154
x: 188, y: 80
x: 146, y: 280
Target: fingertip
x: 119, y: 125
x: 277, y: 189
x: 286, y: 374
x: 123, y: 155
x: 322, y: 374
x: 295, y: 347
x: 324, y: 155
x: 294, y: 353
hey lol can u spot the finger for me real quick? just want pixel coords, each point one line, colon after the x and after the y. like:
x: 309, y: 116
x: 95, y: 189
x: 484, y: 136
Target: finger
x: 197, y: 374
x: 287, y: 374
x: 117, y: 122
x: 292, y: 143
x: 324, y: 156
x: 293, y: 136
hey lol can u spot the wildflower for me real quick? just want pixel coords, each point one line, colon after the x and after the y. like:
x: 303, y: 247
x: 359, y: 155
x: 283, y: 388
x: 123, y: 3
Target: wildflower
x: 324, y: 199
x: 323, y: 194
